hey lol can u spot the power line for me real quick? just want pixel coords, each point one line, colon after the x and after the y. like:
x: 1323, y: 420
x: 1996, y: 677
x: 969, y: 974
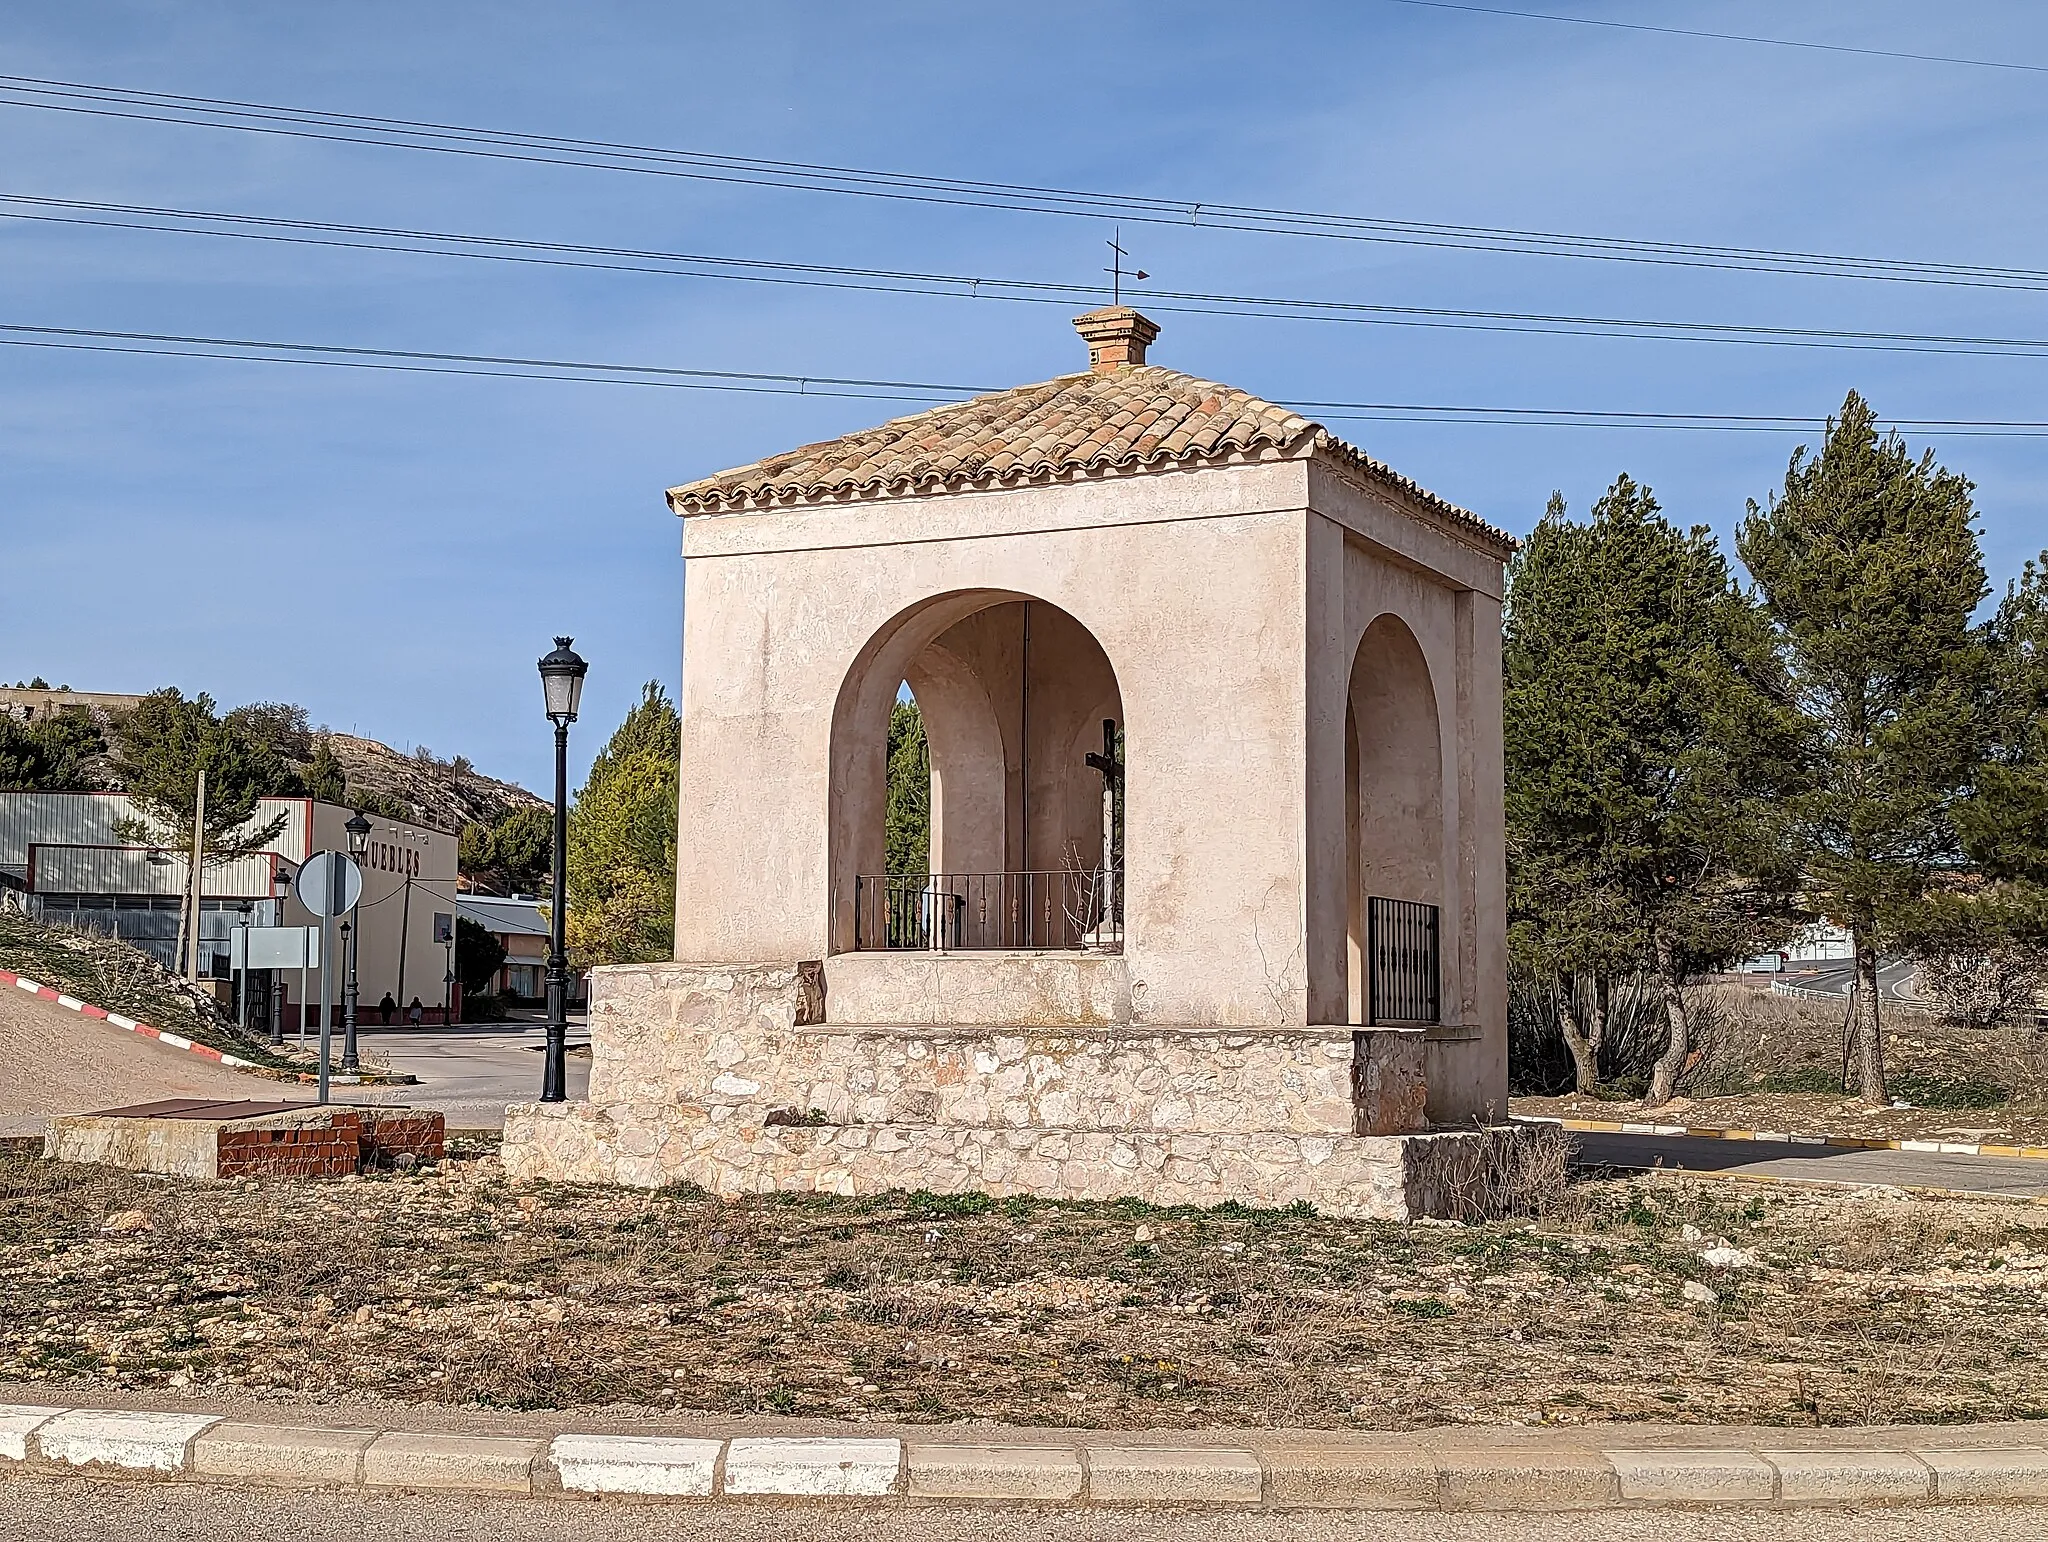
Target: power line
x: 585, y: 372
x: 1726, y: 37
x: 542, y: 149
x: 508, y: 249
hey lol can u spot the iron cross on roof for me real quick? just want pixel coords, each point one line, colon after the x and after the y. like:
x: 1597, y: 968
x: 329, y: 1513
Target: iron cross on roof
x: 1115, y: 270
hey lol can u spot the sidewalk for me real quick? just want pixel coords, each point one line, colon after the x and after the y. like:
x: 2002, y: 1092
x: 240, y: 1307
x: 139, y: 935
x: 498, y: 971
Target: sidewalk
x: 1585, y: 1468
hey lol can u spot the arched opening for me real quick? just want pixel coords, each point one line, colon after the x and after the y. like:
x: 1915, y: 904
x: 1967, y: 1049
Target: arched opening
x: 1394, y: 831
x: 1021, y: 720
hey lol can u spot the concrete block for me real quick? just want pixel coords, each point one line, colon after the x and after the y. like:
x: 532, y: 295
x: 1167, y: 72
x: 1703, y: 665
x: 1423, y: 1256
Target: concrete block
x: 283, y: 1455
x: 1174, y: 1474
x: 635, y: 1464
x: 1693, y: 1477
x: 944, y: 1470
x: 18, y: 1421
x: 1989, y: 1474
x: 1336, y: 1474
x: 802, y: 1465
x: 147, y: 1442
x: 1841, y: 1477
x: 493, y: 1463
x: 1508, y: 1479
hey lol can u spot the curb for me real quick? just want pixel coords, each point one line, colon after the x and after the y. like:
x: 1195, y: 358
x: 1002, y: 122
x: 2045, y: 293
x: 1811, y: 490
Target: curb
x: 1839, y: 1142
x: 1044, y: 1467
x: 173, y: 1040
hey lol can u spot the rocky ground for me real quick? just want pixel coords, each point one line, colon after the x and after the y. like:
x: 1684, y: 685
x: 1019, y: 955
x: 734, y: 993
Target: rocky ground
x: 1658, y: 1298
x: 446, y: 794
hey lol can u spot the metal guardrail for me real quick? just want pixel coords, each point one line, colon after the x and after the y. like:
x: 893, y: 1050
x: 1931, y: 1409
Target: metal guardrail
x: 1403, y: 974
x: 965, y: 912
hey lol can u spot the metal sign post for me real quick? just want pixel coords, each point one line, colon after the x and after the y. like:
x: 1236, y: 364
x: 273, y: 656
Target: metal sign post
x: 329, y: 886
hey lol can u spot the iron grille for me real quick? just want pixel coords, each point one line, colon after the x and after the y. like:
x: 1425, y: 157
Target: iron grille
x: 946, y: 912
x: 1401, y: 945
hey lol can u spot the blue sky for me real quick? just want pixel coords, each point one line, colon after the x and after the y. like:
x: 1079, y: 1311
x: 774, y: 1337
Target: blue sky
x: 395, y: 551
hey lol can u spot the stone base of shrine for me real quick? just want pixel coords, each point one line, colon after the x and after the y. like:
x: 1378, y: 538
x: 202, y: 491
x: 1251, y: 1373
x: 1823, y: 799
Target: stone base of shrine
x: 1450, y: 1173
x: 733, y: 1078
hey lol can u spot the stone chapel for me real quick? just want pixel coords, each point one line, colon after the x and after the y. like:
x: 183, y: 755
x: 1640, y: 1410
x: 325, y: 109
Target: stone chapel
x: 1214, y: 906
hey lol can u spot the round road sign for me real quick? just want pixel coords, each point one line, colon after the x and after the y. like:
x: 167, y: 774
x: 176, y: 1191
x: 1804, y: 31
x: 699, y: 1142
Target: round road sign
x: 329, y: 884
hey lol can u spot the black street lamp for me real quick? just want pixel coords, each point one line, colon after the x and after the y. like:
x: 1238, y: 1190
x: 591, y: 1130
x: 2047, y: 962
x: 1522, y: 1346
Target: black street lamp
x: 358, y: 829
x: 561, y: 679
x: 280, y: 891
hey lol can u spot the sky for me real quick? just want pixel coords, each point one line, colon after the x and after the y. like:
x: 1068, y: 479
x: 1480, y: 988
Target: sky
x: 394, y: 551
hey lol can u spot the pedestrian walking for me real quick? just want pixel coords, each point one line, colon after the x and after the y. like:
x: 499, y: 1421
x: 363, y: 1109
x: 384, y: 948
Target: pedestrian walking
x: 385, y: 1008
x: 412, y: 1013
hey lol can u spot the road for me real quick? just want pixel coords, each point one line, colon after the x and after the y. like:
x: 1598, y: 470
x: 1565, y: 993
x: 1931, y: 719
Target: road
x: 469, y: 1073
x: 1835, y: 976
x: 62, y: 1509
x: 2009, y: 1176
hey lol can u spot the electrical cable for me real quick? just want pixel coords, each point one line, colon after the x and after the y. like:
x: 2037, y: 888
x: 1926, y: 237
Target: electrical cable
x: 515, y: 145
x: 585, y: 372
x: 1726, y: 37
x: 508, y: 249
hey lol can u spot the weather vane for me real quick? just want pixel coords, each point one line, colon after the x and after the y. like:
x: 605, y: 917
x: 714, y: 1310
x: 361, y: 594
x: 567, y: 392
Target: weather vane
x: 1115, y: 270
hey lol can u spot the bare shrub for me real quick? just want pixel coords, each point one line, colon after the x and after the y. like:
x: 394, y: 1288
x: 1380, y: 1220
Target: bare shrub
x: 1985, y: 987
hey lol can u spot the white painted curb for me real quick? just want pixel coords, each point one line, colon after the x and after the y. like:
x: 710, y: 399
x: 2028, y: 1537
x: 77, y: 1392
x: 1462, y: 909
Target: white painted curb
x: 150, y: 1442
x: 18, y: 1421
x: 636, y: 1464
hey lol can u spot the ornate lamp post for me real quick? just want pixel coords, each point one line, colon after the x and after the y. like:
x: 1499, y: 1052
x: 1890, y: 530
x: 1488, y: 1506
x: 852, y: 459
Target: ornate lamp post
x: 358, y: 829
x: 561, y: 679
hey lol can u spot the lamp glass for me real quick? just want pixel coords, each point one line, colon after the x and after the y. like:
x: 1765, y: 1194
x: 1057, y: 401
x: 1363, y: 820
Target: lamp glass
x: 561, y: 680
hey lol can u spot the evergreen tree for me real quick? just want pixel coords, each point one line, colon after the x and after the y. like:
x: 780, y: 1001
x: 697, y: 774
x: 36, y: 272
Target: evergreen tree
x: 323, y: 778
x: 1644, y: 748
x: 622, y: 841
x: 160, y: 747
x: 2004, y: 823
x: 52, y: 754
x: 1869, y: 569
x: 908, y: 827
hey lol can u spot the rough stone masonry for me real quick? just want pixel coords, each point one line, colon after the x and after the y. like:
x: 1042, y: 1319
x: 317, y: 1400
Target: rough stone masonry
x: 717, y: 1075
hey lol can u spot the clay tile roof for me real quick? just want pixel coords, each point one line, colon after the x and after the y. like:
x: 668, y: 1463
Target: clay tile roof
x: 1132, y: 418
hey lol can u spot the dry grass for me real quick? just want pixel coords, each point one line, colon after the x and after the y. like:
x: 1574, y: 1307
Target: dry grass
x: 454, y: 1287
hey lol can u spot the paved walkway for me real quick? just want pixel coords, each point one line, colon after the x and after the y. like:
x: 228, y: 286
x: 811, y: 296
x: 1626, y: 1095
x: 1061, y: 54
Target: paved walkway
x: 469, y: 1072
x: 1785, y: 1161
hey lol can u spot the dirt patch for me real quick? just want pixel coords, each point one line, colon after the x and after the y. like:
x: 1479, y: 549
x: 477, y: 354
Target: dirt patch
x: 1662, y: 1298
x: 60, y: 1062
x: 122, y: 978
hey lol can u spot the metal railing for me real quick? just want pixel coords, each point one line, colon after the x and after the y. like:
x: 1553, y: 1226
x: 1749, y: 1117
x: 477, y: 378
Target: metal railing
x: 1402, y: 971
x: 948, y: 912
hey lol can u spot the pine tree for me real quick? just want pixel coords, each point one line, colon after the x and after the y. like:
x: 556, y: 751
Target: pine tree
x: 324, y: 778
x: 1869, y: 569
x: 161, y: 745
x: 622, y: 841
x: 1644, y: 747
x: 52, y: 754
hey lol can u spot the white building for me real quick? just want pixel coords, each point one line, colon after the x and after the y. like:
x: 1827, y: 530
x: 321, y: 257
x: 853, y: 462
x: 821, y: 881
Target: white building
x: 65, y: 850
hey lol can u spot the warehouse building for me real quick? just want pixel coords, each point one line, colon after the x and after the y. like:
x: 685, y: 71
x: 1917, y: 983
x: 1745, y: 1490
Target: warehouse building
x: 63, y: 856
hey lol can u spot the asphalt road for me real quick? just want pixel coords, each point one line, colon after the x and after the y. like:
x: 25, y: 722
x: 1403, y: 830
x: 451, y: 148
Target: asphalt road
x: 63, y: 1509
x: 1894, y: 981
x: 470, y: 1073
x: 2009, y: 1176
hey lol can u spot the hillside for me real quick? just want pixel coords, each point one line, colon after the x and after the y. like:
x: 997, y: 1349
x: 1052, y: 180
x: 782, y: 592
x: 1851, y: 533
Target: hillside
x: 446, y: 794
